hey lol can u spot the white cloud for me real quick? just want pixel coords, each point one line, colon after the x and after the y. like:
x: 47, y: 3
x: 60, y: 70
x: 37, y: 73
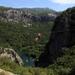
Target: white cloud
x: 63, y: 1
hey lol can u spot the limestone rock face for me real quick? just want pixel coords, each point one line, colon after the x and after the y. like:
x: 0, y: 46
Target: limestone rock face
x: 10, y: 54
x: 63, y: 35
x: 26, y: 15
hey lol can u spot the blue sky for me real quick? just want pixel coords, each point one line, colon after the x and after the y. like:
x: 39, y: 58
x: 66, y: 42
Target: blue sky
x: 58, y: 5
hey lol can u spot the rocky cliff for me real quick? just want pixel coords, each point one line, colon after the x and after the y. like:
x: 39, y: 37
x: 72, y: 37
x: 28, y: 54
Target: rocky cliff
x: 26, y: 15
x: 62, y: 36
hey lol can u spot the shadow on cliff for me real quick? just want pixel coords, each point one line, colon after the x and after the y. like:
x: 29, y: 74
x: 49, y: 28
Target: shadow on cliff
x: 62, y: 36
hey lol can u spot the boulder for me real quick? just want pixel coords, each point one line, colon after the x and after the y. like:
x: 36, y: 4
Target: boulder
x: 3, y: 72
x: 10, y: 54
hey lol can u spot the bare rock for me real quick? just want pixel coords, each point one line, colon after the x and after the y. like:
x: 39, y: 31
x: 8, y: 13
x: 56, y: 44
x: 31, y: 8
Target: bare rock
x: 3, y: 72
x: 11, y: 54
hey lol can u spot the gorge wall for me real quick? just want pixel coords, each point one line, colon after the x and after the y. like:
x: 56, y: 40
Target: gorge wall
x: 26, y: 14
x: 62, y: 36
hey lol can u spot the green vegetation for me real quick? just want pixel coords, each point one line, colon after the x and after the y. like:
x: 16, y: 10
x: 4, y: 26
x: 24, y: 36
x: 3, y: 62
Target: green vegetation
x: 22, y: 39
x: 62, y: 66
x: 65, y: 63
x: 30, y: 39
x: 41, y: 11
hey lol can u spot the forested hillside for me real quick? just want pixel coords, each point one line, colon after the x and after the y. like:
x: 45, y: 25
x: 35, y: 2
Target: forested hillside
x: 26, y: 40
x: 44, y: 42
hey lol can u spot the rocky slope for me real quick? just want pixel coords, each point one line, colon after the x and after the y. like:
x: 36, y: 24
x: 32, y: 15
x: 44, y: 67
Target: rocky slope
x: 62, y: 36
x: 10, y: 54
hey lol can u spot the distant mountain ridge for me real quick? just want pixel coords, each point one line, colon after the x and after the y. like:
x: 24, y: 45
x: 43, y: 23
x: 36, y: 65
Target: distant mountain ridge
x: 26, y: 14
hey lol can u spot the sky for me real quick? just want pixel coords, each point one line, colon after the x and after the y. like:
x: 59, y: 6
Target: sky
x: 58, y: 5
